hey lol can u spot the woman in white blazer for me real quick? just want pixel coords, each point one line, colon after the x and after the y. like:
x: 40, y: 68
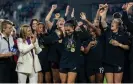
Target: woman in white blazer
x: 28, y: 64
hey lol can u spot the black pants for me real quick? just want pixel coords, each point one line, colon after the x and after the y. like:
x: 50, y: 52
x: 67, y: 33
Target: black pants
x: 14, y: 76
x: 7, y: 71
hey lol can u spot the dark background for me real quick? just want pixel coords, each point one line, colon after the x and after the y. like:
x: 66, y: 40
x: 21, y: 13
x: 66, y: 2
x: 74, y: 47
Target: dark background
x: 22, y: 11
x: 86, y: 5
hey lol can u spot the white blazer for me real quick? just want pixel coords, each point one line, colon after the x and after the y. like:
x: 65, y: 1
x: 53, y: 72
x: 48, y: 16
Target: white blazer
x: 26, y: 63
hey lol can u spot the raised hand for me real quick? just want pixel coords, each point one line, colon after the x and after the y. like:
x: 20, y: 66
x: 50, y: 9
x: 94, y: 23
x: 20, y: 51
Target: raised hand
x: 72, y: 15
x: 54, y: 6
x: 103, y: 9
x: 67, y: 10
x: 33, y: 38
x: 101, y: 6
x: 83, y: 16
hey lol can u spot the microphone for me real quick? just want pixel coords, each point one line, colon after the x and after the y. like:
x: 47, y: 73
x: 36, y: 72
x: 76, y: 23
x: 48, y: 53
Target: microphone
x: 14, y: 49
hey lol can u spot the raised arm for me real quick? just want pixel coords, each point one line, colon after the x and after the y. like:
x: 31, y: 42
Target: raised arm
x: 83, y: 17
x: 103, y: 14
x: 67, y: 11
x: 54, y: 26
x: 47, y: 19
x: 72, y: 14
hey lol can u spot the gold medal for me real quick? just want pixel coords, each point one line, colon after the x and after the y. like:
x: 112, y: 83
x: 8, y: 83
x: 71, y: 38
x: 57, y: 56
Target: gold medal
x: 72, y: 49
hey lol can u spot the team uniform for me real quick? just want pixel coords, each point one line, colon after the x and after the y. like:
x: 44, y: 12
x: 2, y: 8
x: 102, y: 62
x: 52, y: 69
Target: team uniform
x: 114, y: 57
x: 94, y: 57
x: 81, y: 73
x: 45, y: 42
x: 43, y: 55
x: 55, y: 48
x: 70, y: 57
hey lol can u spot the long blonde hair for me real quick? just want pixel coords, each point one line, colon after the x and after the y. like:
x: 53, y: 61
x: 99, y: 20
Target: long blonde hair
x: 23, y: 30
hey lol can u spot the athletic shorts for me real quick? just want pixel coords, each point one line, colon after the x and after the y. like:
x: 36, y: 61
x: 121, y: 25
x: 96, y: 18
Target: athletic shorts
x: 93, y: 68
x: 113, y: 68
x: 93, y: 71
x: 66, y: 70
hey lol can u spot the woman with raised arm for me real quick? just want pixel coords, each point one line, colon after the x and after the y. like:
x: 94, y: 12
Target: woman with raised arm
x: 56, y: 48
x: 116, y: 44
x: 28, y: 64
x: 94, y: 48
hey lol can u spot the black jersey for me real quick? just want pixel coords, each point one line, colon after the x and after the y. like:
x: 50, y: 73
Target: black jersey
x: 115, y: 55
x: 71, y: 49
x: 96, y: 53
